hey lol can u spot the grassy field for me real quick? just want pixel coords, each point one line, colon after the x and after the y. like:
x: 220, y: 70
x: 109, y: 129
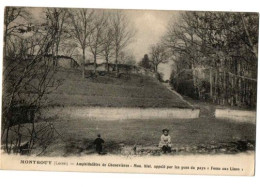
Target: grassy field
x: 129, y: 90
x: 196, y: 136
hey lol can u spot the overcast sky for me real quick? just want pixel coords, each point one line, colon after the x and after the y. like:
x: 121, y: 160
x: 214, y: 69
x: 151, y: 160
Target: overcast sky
x: 150, y: 25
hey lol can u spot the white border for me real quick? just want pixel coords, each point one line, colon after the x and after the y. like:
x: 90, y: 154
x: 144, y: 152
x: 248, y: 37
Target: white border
x: 29, y: 178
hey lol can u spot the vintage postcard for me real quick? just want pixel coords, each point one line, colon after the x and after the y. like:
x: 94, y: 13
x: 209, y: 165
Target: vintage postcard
x: 134, y: 91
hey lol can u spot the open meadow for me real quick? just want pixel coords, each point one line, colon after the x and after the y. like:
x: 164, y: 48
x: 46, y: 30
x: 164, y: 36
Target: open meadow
x: 141, y: 137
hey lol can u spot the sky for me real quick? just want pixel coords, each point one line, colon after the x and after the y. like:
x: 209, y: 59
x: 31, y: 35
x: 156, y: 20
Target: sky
x: 150, y: 26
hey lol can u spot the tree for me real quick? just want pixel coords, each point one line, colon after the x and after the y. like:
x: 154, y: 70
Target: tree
x: 28, y: 78
x: 123, y: 34
x: 159, y: 54
x: 10, y: 28
x: 126, y: 58
x: 221, y: 42
x: 108, y: 41
x: 252, y: 43
x: 81, y: 21
x: 95, y: 38
x: 130, y: 60
x: 145, y: 62
x: 55, y: 19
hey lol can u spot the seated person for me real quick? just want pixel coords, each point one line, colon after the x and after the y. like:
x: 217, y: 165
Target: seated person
x: 98, y: 142
x: 165, y: 142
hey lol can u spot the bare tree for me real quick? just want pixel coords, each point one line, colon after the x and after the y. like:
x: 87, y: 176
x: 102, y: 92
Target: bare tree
x: 127, y: 58
x: 69, y: 48
x: 81, y: 21
x: 28, y: 78
x: 96, y: 37
x: 55, y: 19
x: 159, y: 54
x: 222, y: 43
x: 108, y: 42
x: 11, y: 15
x: 123, y: 34
x: 246, y: 20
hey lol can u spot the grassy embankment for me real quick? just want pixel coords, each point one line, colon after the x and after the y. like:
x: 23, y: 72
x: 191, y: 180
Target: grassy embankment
x: 129, y: 90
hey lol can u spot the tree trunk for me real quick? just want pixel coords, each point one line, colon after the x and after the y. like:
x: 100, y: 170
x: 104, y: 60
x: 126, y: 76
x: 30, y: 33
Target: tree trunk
x: 155, y: 68
x: 117, y: 69
x: 224, y: 88
x: 56, y: 54
x: 19, y: 138
x: 95, y: 64
x: 6, y: 139
x: 193, y: 75
x: 107, y: 64
x: 83, y: 64
x: 5, y: 44
x: 233, y: 92
x: 239, y: 85
x: 216, y: 86
x: 5, y: 36
x: 32, y: 138
x: 254, y: 48
x: 210, y: 81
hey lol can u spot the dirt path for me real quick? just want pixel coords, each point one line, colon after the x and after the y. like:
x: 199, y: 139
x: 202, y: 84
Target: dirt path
x: 207, y: 110
x: 168, y: 86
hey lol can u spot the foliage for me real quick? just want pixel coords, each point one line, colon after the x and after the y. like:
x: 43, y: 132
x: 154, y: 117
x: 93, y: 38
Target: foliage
x: 145, y: 62
x: 159, y: 54
x: 219, y: 41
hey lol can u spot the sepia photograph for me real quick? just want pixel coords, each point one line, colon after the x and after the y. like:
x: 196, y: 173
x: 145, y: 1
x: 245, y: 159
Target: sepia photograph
x: 123, y: 90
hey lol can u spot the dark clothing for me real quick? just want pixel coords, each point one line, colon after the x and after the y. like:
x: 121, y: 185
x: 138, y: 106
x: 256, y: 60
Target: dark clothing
x: 98, y: 142
x: 166, y: 149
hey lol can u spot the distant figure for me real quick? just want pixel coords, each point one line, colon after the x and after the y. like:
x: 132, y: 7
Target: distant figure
x: 98, y: 142
x: 165, y: 142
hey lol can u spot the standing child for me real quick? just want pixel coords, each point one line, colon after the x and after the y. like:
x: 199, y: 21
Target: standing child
x: 165, y: 141
x: 98, y: 142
